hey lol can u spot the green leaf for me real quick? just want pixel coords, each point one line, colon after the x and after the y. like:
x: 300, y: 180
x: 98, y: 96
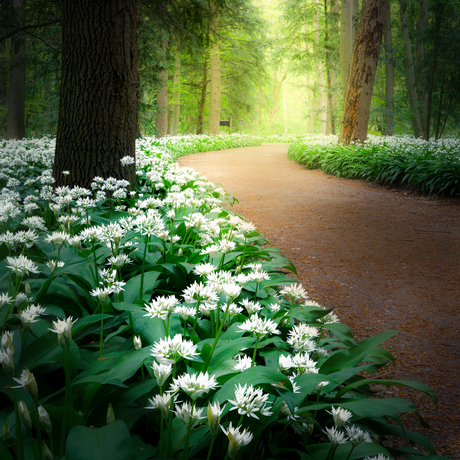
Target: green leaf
x: 109, y: 442
x: 133, y: 286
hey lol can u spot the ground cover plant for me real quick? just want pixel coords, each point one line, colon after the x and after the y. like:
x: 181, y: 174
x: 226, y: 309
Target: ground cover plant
x: 431, y: 167
x: 156, y: 323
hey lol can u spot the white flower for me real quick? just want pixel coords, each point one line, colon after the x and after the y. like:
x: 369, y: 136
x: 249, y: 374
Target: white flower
x: 285, y: 362
x: 321, y: 385
x: 198, y: 292
x: 204, y: 269
x: 5, y: 299
x: 214, y: 414
x: 162, y: 372
x: 28, y: 315
x: 335, y: 437
x: 162, y: 307
x: 294, y: 292
x: 63, y: 328
x: 51, y: 264
x: 377, y: 457
x: 194, y: 385
x: 259, y: 326
x: 58, y: 238
x: 184, y: 312
x: 251, y: 306
x: 300, y: 338
x: 127, y: 160
x: 340, y: 415
x: 356, y: 435
x: 21, y: 265
x: 27, y: 381
x: 187, y: 413
x: 170, y: 350
x: 304, y: 364
x: 102, y: 294
x: 242, y: 363
x: 237, y: 439
x: 161, y: 402
x: 249, y: 400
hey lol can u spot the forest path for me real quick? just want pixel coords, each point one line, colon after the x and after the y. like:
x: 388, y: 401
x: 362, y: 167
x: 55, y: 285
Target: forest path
x: 386, y: 259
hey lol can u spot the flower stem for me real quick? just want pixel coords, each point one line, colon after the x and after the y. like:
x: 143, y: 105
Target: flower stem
x: 255, y: 351
x: 68, y: 399
x: 141, y: 291
x: 17, y: 421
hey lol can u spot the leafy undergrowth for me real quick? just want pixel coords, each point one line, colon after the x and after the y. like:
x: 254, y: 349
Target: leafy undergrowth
x: 429, y: 167
x: 159, y: 324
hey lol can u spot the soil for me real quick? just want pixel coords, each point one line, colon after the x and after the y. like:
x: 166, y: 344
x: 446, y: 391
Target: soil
x: 386, y: 258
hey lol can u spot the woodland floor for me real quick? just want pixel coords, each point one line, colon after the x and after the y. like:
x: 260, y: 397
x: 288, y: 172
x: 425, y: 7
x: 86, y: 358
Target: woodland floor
x: 385, y: 258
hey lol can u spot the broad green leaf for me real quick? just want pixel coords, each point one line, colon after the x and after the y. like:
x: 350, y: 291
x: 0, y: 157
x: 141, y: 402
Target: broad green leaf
x: 109, y: 442
x: 44, y: 350
x: 133, y: 286
x: 228, y: 349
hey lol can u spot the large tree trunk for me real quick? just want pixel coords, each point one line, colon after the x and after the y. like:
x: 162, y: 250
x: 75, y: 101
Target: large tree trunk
x: 162, y: 99
x: 97, y: 123
x: 388, y: 117
x: 15, y: 123
x: 202, y: 101
x: 346, y: 42
x: 176, y: 96
x: 362, y: 72
x: 420, y: 59
x: 410, y: 71
x: 214, y: 64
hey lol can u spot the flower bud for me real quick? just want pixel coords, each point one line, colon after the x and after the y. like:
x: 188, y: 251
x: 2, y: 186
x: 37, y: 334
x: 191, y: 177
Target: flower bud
x: 28, y: 290
x: 25, y: 415
x: 110, y: 418
x: 180, y: 252
x: 7, y: 360
x: 214, y: 413
x: 6, y: 432
x: 233, y: 446
x: 45, y: 420
x: 7, y: 339
x: 47, y: 455
x: 31, y: 384
x: 137, y: 342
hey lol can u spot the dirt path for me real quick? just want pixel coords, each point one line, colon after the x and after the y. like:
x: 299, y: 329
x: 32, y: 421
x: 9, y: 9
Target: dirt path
x: 385, y: 259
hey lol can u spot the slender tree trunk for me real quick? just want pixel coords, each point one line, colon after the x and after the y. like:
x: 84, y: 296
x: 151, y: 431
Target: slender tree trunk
x: 97, y: 123
x: 410, y: 75
x: 162, y: 99
x: 15, y: 123
x: 388, y: 118
x: 441, y: 97
x: 214, y: 64
x: 420, y: 58
x: 362, y: 72
x: 346, y: 42
x: 321, y: 86
x: 176, y: 96
x: 355, y: 19
x: 199, y: 126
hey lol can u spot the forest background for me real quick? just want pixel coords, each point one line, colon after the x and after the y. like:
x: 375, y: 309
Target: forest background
x: 269, y: 66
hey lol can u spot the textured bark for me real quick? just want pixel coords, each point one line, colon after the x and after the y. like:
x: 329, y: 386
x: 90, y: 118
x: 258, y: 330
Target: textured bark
x: 388, y: 117
x: 97, y: 123
x: 410, y: 71
x: 202, y: 101
x: 214, y: 64
x: 15, y: 123
x: 176, y: 96
x: 346, y: 42
x: 362, y: 72
x: 162, y: 99
x: 420, y: 58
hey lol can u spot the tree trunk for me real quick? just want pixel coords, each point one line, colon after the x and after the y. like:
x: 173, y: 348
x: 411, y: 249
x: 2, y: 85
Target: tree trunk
x: 15, y: 123
x: 162, y: 99
x: 362, y: 72
x: 97, y: 123
x: 199, y: 125
x: 176, y: 96
x: 355, y: 19
x: 410, y: 75
x: 388, y: 117
x: 346, y: 43
x: 214, y: 64
x: 420, y: 58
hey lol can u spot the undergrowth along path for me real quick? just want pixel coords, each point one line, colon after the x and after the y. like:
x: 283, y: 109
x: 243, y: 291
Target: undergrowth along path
x: 385, y: 258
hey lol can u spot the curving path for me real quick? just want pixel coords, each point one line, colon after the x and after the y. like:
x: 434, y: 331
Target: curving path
x: 384, y: 258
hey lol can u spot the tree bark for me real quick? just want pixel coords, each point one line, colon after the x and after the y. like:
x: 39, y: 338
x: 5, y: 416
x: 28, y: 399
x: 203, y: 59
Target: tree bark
x: 420, y: 58
x: 15, y: 123
x: 362, y: 72
x: 388, y: 117
x: 199, y: 125
x: 97, y: 123
x: 214, y: 64
x: 410, y: 71
x: 346, y: 42
x: 162, y: 99
x: 176, y: 96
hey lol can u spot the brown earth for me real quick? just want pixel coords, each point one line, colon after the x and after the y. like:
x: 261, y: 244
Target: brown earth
x: 385, y: 258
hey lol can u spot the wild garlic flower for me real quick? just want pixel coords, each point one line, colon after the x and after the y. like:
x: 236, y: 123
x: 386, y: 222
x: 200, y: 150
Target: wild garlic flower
x: 51, y: 264
x: 137, y: 342
x: 236, y: 438
x: 249, y: 400
x: 335, y: 436
x: 21, y: 265
x: 119, y: 261
x: 195, y: 385
x: 58, y: 238
x: 102, y: 294
x: 284, y: 410
x: 340, y: 416
x: 251, y: 306
x: 204, y: 269
x: 285, y: 362
x: 170, y: 350
x: 258, y: 276
x: 29, y: 314
x: 35, y: 223
x: 198, y: 292
x: 294, y: 292
x: 27, y: 381
x: 25, y: 414
x: 301, y: 336
x: 7, y: 339
x: 162, y: 307
x: 161, y: 372
x: 242, y: 363
x: 162, y: 402
x: 206, y: 308
x: 184, y: 312
x: 214, y: 414
x: 321, y: 385
x: 304, y: 364
x: 63, y: 328
x: 259, y: 326
x: 187, y: 413
x: 45, y: 420
x: 356, y: 435
x: 5, y: 299
x: 378, y: 457
x: 7, y: 359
